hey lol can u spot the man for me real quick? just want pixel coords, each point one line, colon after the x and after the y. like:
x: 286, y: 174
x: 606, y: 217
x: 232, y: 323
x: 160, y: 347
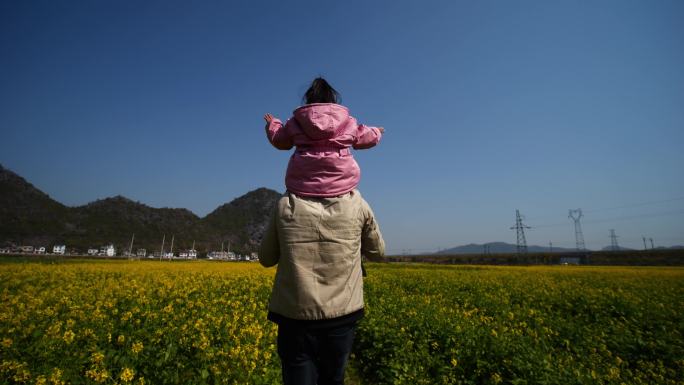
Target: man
x: 317, y: 295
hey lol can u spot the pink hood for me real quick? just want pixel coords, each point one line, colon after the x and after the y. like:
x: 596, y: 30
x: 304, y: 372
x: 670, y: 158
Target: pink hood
x: 323, y: 133
x: 321, y: 120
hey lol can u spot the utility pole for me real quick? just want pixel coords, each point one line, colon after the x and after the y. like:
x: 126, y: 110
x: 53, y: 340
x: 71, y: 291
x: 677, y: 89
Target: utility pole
x: 519, y: 227
x: 613, y: 241
x: 130, y: 248
x: 652, y: 247
x: 161, y: 253
x: 550, y: 247
x: 644, y: 239
x: 575, y: 215
x: 172, y: 237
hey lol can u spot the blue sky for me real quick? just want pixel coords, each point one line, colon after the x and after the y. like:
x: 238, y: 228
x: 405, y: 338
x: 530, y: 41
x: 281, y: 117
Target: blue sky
x: 489, y: 107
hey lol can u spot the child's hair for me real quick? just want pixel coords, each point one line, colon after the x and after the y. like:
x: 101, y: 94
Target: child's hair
x: 320, y: 92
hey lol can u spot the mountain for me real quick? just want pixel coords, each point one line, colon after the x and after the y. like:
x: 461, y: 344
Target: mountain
x: 30, y: 217
x: 243, y: 221
x: 114, y: 220
x: 497, y: 248
x: 27, y: 213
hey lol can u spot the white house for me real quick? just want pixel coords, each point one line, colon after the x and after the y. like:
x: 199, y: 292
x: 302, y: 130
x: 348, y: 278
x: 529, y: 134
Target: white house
x: 222, y: 255
x: 26, y: 249
x: 108, y: 251
x: 569, y: 261
x: 92, y: 251
x: 187, y: 254
x: 141, y: 253
x: 59, y: 249
x: 40, y: 250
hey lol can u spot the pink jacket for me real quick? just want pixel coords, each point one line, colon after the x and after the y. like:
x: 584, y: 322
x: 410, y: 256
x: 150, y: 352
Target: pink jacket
x: 322, y: 165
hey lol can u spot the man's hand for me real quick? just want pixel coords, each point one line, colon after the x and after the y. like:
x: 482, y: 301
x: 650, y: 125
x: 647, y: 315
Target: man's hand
x: 268, y: 118
x: 382, y: 130
x: 373, y: 258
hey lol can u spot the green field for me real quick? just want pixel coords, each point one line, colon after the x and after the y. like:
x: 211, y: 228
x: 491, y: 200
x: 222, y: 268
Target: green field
x: 143, y: 322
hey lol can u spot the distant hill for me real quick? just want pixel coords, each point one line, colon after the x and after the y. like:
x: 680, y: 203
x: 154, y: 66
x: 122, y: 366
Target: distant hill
x: 505, y: 248
x: 675, y: 247
x: 610, y: 248
x: 30, y: 217
x: 497, y: 248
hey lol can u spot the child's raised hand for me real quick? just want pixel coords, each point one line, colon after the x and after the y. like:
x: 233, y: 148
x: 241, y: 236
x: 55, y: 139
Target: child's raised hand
x: 381, y: 129
x: 268, y: 118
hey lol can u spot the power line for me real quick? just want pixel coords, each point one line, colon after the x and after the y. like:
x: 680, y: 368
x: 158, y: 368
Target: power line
x: 627, y: 205
x: 630, y: 217
x: 637, y: 204
x: 623, y: 218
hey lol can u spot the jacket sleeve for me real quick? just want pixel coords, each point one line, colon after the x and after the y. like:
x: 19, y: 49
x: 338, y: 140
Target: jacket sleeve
x: 278, y: 134
x: 372, y: 244
x: 269, y: 252
x: 366, y: 137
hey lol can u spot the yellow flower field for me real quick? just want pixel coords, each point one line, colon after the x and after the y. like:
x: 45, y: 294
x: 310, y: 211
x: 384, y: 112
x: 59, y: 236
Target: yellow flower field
x: 150, y: 322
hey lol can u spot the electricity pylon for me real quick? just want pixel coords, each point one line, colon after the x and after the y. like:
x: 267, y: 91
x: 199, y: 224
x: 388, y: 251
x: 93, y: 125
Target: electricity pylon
x: 520, y: 232
x: 575, y: 215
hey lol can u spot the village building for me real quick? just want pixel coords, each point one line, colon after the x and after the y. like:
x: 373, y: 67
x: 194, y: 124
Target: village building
x: 141, y: 253
x: 107, y: 251
x: 59, y: 249
x: 222, y: 255
x: 26, y: 249
x: 569, y: 261
x: 187, y: 254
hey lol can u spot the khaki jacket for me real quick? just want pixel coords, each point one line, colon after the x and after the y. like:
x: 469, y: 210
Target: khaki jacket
x: 317, y: 244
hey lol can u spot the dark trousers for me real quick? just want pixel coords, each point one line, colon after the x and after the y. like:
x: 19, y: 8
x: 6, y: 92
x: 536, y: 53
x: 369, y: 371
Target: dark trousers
x: 314, y: 356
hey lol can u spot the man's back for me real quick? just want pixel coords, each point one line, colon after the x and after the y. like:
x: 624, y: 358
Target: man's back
x: 317, y: 244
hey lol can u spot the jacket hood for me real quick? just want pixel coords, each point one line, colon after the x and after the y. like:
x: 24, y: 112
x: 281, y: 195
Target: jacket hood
x: 321, y: 120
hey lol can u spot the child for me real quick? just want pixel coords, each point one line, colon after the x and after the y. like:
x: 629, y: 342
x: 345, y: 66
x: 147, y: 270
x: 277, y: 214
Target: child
x: 323, y: 131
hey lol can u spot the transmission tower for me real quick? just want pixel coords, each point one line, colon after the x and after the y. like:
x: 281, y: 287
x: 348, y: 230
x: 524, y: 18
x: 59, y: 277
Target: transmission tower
x: 520, y: 231
x: 575, y: 215
x: 651, y: 239
x: 644, y: 239
x: 613, y: 241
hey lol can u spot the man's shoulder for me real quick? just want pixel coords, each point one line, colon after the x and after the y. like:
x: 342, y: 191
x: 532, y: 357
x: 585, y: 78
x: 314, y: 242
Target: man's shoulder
x: 353, y: 196
x: 347, y: 203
